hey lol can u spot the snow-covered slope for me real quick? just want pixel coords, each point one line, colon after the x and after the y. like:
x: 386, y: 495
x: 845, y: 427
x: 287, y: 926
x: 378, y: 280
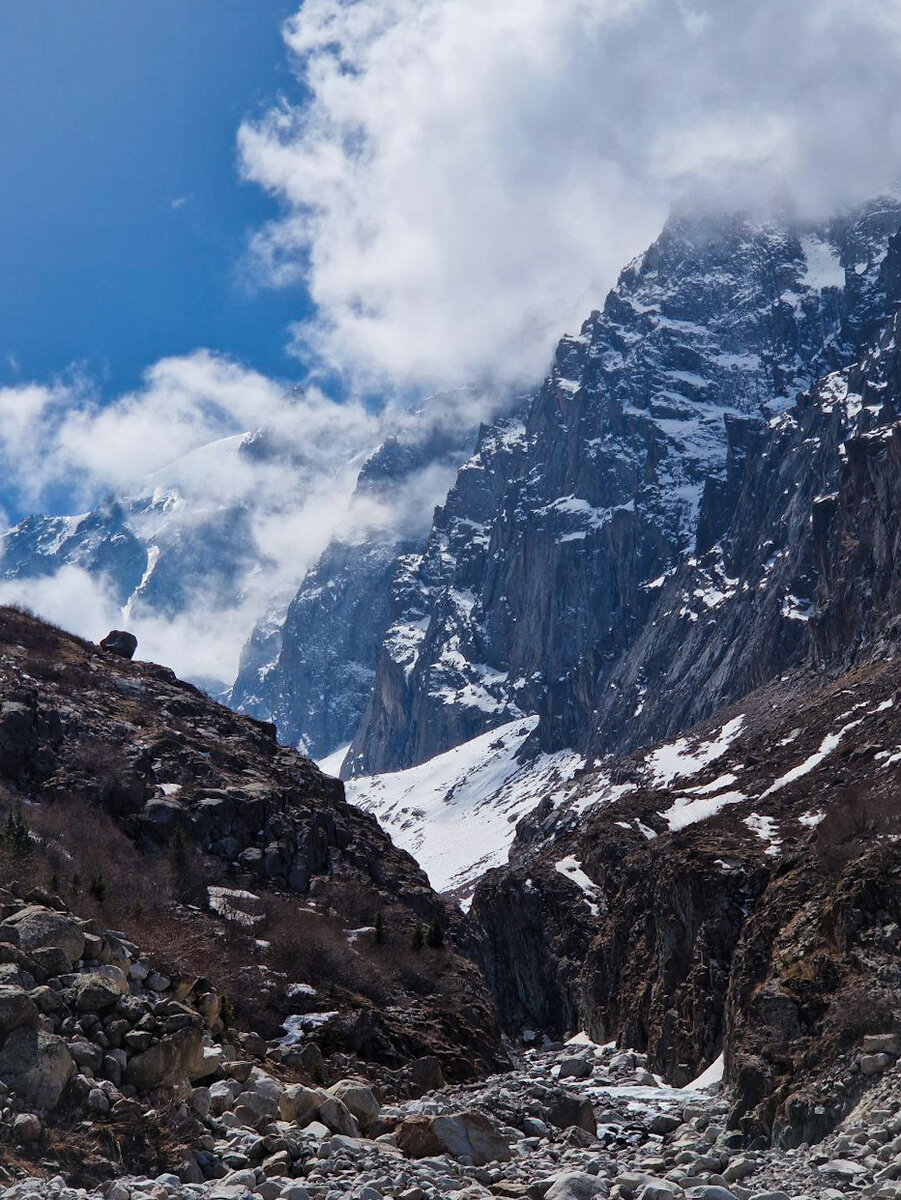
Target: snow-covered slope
x: 457, y: 813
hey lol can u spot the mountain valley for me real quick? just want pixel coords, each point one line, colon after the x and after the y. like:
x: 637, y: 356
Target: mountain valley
x: 596, y: 889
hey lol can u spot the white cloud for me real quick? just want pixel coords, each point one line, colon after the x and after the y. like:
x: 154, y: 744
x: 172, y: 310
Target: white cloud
x: 466, y: 177
x: 174, y: 451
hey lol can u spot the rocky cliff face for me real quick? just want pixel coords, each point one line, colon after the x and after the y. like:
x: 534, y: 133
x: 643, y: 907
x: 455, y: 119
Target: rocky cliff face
x: 737, y: 889
x: 734, y: 891
x: 312, y: 672
x: 544, y: 567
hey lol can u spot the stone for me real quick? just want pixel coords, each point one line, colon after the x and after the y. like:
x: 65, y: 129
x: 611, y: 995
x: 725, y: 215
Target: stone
x: 200, y: 1102
x: 299, y: 1105
x: 95, y: 993
x: 36, y: 1065
x: 843, y: 1168
x: 358, y: 1099
x: 336, y: 1115
x: 27, y: 1128
x: 424, y: 1074
x: 564, y: 1109
x: 120, y: 642
x: 174, y: 1059
x: 16, y: 1009
x: 738, y: 1169
x: 577, y: 1067
x: 278, y: 1163
x: 710, y: 1191
x: 468, y: 1136
x: 660, y: 1189
x: 873, y: 1064
x: 665, y: 1123
x: 574, y: 1185
x: 41, y: 928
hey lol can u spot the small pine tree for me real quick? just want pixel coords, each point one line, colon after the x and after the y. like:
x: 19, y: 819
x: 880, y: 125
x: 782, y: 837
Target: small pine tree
x: 418, y: 937
x: 379, y: 928
x: 17, y: 836
x: 136, y: 910
x: 434, y: 939
x: 97, y: 888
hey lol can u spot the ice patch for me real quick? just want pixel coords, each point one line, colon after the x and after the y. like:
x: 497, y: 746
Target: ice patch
x: 767, y: 830
x: 688, y: 812
x: 331, y: 764
x: 708, y: 1079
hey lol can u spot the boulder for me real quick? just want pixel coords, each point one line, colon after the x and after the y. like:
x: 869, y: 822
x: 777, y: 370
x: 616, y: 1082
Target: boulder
x: 574, y: 1185
x: 577, y: 1067
x: 336, y: 1115
x: 563, y: 1109
x: 299, y: 1105
x: 120, y: 642
x: 174, y: 1059
x: 469, y: 1136
x: 883, y: 1043
x: 36, y: 1066
x: 16, y: 1009
x: 95, y: 993
x: 425, y: 1075
x: 359, y: 1100
x: 42, y: 928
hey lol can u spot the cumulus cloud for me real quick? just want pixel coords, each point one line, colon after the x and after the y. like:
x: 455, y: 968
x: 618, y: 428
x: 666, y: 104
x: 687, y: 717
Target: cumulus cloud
x: 463, y: 178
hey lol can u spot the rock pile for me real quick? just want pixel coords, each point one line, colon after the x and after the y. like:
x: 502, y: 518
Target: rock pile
x: 569, y: 1124
x: 84, y: 1017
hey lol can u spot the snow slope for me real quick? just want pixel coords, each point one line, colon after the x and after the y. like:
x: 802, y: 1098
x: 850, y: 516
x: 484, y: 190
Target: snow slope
x: 457, y: 813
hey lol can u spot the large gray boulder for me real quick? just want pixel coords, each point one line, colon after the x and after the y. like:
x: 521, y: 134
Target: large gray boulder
x: 119, y: 641
x: 358, y: 1099
x: 36, y: 1066
x: 574, y: 1185
x: 17, y: 1009
x: 41, y: 928
x: 174, y: 1059
x: 299, y: 1105
x: 337, y: 1116
x: 468, y: 1136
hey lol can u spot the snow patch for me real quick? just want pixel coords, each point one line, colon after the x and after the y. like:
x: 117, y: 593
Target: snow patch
x: 571, y: 868
x: 683, y: 757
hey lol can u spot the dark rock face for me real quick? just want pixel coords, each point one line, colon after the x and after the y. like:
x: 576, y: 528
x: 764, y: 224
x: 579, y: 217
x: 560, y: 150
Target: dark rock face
x: 543, y: 569
x: 695, y: 937
x: 312, y: 675
x: 85, y: 728
x: 317, y: 686
x: 119, y: 641
x: 746, y: 907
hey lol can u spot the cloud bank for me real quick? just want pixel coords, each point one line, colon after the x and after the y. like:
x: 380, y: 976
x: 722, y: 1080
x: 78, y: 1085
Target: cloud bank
x: 463, y: 178
x: 176, y: 453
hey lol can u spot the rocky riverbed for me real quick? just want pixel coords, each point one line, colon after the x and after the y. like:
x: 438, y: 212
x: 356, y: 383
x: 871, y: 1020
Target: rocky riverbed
x: 569, y: 1123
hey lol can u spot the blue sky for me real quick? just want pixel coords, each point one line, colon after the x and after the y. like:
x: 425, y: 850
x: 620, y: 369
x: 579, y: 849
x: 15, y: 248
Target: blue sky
x: 123, y: 222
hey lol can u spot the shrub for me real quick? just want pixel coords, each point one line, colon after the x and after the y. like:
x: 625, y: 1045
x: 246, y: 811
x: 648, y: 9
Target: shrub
x: 434, y: 938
